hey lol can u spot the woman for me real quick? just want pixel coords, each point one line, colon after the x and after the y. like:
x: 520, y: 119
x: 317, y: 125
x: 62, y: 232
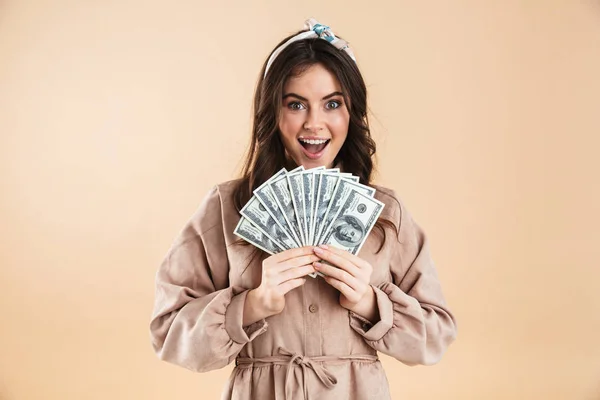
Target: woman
x: 218, y: 300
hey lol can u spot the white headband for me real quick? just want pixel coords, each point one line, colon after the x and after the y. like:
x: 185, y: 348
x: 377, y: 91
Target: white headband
x: 315, y: 30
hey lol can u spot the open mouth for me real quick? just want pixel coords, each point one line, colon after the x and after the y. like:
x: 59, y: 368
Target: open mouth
x: 313, y: 147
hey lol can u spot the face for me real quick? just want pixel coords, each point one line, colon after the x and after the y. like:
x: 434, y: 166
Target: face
x: 349, y: 233
x: 314, y: 118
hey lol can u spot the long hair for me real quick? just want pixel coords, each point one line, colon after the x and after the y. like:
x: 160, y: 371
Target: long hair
x: 266, y: 153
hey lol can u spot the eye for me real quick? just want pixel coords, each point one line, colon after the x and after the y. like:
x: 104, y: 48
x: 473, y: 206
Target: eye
x: 333, y: 104
x: 295, y: 106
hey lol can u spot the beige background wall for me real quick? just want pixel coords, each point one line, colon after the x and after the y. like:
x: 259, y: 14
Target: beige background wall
x: 116, y: 117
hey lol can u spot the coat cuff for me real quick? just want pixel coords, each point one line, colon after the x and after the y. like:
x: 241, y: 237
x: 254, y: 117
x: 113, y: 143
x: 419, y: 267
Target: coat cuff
x: 377, y: 331
x: 234, y: 316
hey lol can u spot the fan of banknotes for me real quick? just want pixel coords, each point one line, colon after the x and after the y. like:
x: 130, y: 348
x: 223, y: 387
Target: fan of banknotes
x: 308, y: 208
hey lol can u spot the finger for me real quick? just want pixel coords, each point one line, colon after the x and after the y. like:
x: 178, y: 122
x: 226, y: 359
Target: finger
x: 341, y: 286
x: 294, y: 273
x: 296, y: 262
x: 337, y: 260
x: 338, y: 274
x: 356, y: 260
x: 291, y: 284
x: 292, y: 253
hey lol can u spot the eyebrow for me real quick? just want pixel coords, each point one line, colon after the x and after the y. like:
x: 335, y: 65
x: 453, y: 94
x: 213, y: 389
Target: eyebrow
x: 305, y: 99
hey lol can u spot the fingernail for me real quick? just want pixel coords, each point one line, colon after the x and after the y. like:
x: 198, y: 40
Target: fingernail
x: 318, y: 250
x: 323, y: 246
x: 316, y: 265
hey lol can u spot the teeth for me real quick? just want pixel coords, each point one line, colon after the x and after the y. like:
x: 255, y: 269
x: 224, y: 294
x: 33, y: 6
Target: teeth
x: 313, y: 141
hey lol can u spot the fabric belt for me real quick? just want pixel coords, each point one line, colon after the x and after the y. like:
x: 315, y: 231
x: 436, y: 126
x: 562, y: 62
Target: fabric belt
x: 315, y: 363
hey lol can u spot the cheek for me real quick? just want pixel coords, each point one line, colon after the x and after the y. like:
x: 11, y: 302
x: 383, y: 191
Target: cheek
x: 339, y: 124
x: 289, y: 125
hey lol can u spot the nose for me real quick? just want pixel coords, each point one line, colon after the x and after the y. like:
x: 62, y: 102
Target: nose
x: 314, y: 121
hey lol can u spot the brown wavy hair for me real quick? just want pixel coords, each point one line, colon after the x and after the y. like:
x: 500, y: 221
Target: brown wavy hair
x: 266, y: 153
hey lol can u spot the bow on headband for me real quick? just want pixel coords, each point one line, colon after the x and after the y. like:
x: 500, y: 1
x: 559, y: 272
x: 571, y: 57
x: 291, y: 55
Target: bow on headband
x: 314, y: 30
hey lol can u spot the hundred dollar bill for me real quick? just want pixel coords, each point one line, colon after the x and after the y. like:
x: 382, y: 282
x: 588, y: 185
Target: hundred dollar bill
x: 255, y: 236
x: 325, y: 188
x: 300, y: 168
x: 283, y: 198
x: 318, y: 172
x: 339, y: 195
x: 308, y: 183
x: 297, y: 192
x: 313, y: 229
x: 265, y: 196
x: 258, y: 215
x: 353, y: 222
x: 349, y: 176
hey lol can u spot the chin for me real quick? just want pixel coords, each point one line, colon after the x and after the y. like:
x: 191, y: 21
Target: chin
x: 308, y: 163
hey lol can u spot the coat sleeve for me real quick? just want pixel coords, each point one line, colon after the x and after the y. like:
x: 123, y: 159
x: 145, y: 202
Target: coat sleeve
x: 197, y: 318
x: 415, y: 325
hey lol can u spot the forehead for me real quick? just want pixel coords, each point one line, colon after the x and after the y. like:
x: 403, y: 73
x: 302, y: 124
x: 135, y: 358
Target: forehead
x: 315, y: 81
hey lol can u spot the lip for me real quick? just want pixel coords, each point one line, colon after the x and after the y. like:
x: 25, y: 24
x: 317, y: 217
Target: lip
x: 314, y: 156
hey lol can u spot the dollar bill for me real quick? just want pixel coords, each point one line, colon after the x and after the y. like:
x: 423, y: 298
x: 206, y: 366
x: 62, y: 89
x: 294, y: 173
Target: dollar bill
x: 297, y: 192
x: 353, y: 222
x: 350, y: 177
x: 339, y: 196
x: 325, y: 188
x: 309, y: 207
x: 265, y: 196
x: 313, y: 228
x: 255, y: 236
x: 258, y: 215
x: 283, y: 198
x: 308, y: 183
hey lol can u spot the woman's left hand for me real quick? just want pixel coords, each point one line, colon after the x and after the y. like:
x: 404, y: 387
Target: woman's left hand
x: 351, y: 275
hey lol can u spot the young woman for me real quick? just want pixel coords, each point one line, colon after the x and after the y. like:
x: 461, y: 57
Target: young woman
x: 218, y: 300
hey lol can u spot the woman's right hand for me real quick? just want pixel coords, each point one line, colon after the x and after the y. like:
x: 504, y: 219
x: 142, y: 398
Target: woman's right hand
x: 281, y: 273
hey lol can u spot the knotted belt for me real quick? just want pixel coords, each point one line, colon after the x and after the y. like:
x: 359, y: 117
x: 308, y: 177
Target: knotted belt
x: 315, y: 363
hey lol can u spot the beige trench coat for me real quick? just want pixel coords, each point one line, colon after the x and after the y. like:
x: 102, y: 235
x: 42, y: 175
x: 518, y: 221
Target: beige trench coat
x: 314, y: 349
